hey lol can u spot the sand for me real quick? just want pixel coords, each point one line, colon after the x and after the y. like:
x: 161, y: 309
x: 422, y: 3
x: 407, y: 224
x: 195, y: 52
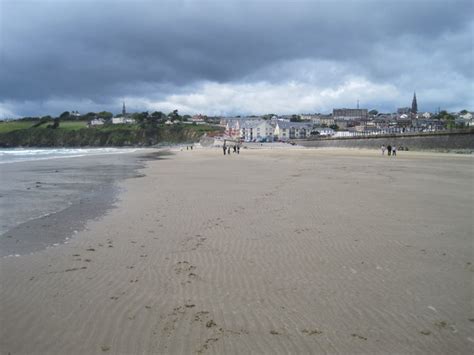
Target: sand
x: 272, y: 251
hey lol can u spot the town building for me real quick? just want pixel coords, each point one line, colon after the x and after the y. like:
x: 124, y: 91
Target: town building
x: 122, y: 120
x: 350, y: 114
x: 326, y: 120
x: 323, y: 131
x: 232, y: 128
x: 96, y: 122
x: 414, y: 105
x: 292, y: 130
x: 403, y: 111
x: 256, y: 131
x: 198, y: 119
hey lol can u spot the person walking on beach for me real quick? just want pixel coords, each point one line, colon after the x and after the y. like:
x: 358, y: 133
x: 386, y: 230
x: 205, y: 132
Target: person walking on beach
x: 238, y: 148
x: 224, y: 147
x: 228, y: 150
x: 389, y: 150
x: 394, y: 151
x: 235, y: 148
x: 383, y: 149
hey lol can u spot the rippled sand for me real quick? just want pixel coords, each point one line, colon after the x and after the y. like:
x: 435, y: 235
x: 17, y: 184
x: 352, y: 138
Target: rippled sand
x: 271, y: 251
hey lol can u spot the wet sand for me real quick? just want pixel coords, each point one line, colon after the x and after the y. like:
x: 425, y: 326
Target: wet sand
x: 45, y: 202
x: 271, y: 251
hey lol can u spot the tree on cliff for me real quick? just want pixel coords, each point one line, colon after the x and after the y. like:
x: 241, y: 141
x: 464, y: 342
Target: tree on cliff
x: 65, y: 115
x: 105, y: 115
x: 174, y: 115
x: 56, y: 123
x: 159, y: 117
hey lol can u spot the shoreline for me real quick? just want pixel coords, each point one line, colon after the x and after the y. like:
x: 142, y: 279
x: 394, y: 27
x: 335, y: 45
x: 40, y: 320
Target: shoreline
x: 75, y: 190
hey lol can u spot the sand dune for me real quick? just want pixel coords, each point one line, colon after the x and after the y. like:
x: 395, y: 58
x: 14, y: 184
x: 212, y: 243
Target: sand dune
x: 271, y: 251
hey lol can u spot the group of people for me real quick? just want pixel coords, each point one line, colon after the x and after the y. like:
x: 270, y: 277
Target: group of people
x: 226, y: 148
x: 391, y: 151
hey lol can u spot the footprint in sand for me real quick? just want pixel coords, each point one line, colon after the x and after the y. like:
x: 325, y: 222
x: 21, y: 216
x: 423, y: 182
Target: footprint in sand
x: 206, y: 345
x: 183, y: 267
x: 358, y: 336
x: 200, y: 316
x: 211, y: 324
x: 312, y: 331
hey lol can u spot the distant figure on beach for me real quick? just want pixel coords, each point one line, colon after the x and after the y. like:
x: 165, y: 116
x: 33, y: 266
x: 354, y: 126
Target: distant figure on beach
x: 235, y: 148
x: 238, y: 148
x: 389, y: 150
x: 383, y: 149
x: 225, y: 148
x: 191, y: 147
x: 394, y: 151
x: 228, y: 150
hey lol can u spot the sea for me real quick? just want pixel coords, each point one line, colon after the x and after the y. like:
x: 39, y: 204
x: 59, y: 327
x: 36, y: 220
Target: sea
x: 16, y: 155
x: 47, y: 195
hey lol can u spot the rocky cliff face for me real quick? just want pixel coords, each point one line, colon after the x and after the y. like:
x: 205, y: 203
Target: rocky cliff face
x: 118, y: 137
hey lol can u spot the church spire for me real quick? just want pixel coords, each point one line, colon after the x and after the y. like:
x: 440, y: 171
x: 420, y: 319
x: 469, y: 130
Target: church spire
x: 124, y: 112
x: 414, y: 105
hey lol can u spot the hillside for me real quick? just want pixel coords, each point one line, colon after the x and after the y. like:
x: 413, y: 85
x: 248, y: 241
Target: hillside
x: 77, y: 134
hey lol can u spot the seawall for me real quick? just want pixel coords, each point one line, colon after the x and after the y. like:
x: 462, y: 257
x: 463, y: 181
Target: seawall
x: 440, y: 142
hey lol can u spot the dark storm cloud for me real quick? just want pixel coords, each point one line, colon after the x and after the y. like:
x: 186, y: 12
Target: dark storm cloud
x: 81, y: 50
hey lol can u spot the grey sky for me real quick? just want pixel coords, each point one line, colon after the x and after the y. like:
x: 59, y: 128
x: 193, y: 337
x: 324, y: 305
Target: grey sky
x: 230, y: 57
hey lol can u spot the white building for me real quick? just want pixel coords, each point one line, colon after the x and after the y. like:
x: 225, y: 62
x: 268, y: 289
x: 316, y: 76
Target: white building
x: 325, y: 131
x: 96, y: 122
x: 122, y: 120
x: 256, y: 131
x: 343, y: 134
x: 198, y: 119
x: 232, y: 128
x: 292, y: 130
x: 466, y: 116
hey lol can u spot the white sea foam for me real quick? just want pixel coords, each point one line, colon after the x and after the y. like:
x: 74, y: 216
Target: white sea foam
x: 20, y: 155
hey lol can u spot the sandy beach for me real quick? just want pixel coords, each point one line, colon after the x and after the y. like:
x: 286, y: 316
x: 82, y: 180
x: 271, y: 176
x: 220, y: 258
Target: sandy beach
x: 272, y: 251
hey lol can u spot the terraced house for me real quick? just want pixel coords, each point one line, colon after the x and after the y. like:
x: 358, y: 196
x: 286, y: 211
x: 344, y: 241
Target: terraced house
x: 285, y: 130
x: 257, y: 131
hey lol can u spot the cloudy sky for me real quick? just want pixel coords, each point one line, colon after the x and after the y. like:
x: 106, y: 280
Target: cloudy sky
x: 225, y: 57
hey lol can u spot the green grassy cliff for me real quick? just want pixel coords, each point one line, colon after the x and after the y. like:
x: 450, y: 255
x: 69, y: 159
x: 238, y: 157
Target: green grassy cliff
x: 77, y: 134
